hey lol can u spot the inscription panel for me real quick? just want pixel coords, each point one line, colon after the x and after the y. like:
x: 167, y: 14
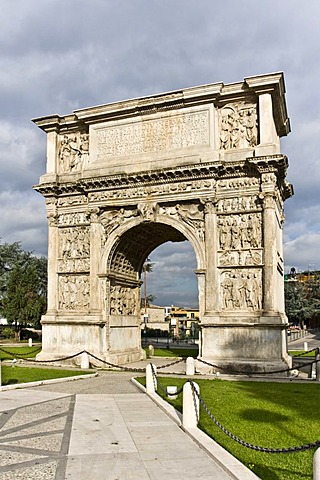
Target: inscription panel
x: 154, y: 135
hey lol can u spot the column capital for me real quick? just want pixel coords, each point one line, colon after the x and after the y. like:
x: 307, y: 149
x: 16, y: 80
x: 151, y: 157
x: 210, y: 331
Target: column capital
x: 268, y: 199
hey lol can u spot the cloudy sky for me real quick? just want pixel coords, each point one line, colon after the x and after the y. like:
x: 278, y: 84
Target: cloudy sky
x: 60, y: 55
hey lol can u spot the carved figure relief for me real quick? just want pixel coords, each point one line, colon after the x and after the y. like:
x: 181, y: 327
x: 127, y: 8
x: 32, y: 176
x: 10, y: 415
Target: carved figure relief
x: 241, y: 290
x: 192, y: 214
x: 147, y: 211
x: 72, y: 200
x: 238, y: 204
x: 74, y: 249
x: 237, y: 183
x: 240, y: 231
x: 230, y: 258
x: 74, y: 149
x: 77, y: 218
x: 238, y: 126
x: 123, y: 300
x: 74, y: 292
x: 165, y: 188
x: 112, y: 219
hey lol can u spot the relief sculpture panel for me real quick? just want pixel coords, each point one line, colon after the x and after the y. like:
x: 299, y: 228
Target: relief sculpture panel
x: 123, y: 300
x: 74, y: 292
x: 238, y: 126
x: 240, y: 231
x: 74, y: 249
x: 73, y: 152
x: 190, y: 213
x: 241, y: 289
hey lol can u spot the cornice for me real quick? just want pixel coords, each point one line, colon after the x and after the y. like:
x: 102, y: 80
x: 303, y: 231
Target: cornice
x: 215, y: 170
x: 217, y: 93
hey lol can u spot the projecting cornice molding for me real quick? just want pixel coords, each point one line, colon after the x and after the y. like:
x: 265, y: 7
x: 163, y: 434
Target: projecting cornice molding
x: 253, y: 166
x: 216, y: 93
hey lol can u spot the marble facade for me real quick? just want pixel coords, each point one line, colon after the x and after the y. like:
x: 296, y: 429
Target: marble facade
x: 201, y: 164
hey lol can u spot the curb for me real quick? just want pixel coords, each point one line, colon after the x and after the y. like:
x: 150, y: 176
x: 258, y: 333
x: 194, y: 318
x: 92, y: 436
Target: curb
x: 224, y: 459
x: 46, y: 382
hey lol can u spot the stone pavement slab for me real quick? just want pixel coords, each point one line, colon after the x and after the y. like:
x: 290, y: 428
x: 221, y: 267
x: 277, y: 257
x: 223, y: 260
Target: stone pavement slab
x: 49, y: 435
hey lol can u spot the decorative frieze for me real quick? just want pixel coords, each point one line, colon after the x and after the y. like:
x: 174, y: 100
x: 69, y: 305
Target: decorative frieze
x: 239, y: 203
x: 73, y: 218
x: 240, y: 258
x: 151, y: 190
x: 238, y: 183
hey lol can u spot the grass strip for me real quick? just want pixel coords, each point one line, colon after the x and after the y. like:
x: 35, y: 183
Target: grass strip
x: 267, y: 414
x: 300, y: 352
x: 175, y: 352
x: 15, y: 375
x: 25, y: 352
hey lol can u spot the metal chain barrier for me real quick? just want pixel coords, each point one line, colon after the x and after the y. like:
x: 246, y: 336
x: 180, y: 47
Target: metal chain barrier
x: 305, y: 353
x: 162, y: 388
x: 237, y: 372
x: 299, y: 448
x: 36, y: 350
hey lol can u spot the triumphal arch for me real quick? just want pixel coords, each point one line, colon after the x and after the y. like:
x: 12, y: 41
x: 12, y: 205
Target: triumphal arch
x: 201, y: 164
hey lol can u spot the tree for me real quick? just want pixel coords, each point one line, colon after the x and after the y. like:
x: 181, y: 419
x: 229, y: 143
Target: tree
x: 302, y: 301
x: 23, y: 283
x: 10, y: 254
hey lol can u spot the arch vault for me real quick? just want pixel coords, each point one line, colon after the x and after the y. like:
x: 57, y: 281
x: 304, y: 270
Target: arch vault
x: 201, y: 164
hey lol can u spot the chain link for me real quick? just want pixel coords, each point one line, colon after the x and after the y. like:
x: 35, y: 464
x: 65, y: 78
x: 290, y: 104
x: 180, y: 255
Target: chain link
x: 14, y: 355
x: 305, y: 353
x: 237, y: 372
x: 162, y: 388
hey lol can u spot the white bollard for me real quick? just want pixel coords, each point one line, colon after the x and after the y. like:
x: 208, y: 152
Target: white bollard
x: 151, y: 350
x: 316, y: 465
x: 85, y: 360
x: 171, y: 392
x: 30, y: 342
x: 190, y: 366
x: 305, y: 346
x: 190, y: 406
x: 151, y: 381
x: 318, y: 367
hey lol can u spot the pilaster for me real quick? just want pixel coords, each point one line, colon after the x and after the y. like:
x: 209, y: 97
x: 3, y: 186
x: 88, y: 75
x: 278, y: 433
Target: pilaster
x: 211, y: 287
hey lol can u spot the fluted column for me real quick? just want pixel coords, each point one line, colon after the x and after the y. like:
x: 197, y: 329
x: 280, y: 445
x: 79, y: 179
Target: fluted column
x: 270, y: 250
x: 53, y: 246
x: 95, y: 249
x: 212, y: 287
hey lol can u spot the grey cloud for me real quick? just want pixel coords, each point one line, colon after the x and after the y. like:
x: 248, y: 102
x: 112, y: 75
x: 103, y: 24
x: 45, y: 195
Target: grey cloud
x: 57, y: 56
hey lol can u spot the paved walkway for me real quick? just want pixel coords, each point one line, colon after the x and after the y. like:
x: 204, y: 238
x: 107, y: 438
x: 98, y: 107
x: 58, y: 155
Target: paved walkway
x: 100, y: 428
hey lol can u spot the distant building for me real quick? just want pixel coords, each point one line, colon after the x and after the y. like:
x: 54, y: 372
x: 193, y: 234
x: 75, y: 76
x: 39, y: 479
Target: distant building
x: 154, y: 317
x: 184, y: 322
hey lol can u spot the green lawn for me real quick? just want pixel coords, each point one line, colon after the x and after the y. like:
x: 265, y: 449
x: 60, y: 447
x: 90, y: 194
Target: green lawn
x: 301, y: 353
x: 175, y: 352
x: 16, y: 352
x: 13, y: 375
x: 275, y: 415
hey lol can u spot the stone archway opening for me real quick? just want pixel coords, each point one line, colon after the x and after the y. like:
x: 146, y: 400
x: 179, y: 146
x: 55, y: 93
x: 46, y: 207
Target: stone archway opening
x: 124, y: 281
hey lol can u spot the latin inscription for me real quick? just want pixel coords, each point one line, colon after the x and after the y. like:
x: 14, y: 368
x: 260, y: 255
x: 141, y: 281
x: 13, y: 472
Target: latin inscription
x: 153, y: 136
